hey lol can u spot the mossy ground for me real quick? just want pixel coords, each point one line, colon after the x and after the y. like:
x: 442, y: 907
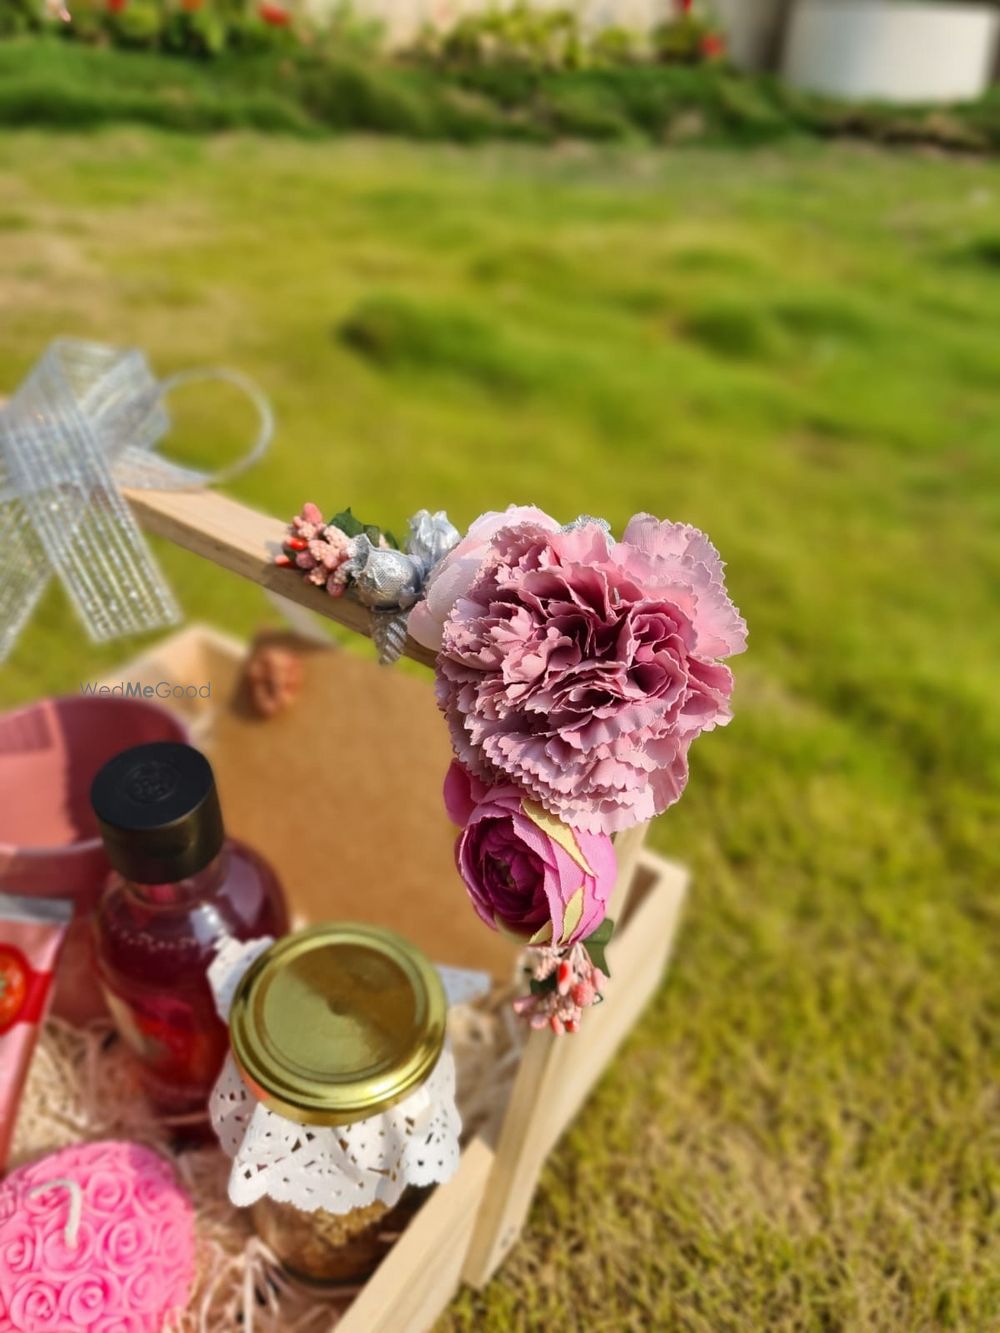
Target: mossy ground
x: 796, y: 350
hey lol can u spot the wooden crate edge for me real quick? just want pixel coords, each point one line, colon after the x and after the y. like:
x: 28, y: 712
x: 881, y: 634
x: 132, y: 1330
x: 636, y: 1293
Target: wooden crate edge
x: 557, y: 1073
x: 422, y: 1271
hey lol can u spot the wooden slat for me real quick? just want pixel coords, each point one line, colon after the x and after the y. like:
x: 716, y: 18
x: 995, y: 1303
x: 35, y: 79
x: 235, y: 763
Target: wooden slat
x: 421, y: 1273
x: 557, y: 1073
x: 628, y: 849
x: 245, y: 542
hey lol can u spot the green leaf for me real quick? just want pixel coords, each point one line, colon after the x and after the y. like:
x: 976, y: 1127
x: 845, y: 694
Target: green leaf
x: 353, y: 527
x: 541, y: 987
x: 347, y: 523
x: 597, y: 942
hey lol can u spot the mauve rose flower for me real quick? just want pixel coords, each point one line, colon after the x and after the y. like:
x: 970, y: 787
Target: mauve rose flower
x: 581, y: 669
x: 451, y: 577
x: 524, y: 872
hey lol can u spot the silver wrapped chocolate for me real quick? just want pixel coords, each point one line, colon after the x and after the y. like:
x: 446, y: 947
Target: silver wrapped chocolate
x: 383, y: 578
x: 584, y: 521
x: 431, y: 537
x: 390, y: 582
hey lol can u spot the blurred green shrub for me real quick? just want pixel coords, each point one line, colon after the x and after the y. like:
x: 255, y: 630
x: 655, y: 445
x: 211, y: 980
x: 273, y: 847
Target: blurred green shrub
x: 138, y: 24
x: 527, y: 37
x: 687, y: 40
x: 397, y: 333
x: 734, y: 329
x: 523, y: 36
x: 199, y: 31
x: 244, y: 70
x: 350, y: 94
x: 616, y: 45
x: 18, y: 17
x: 199, y: 28
x: 585, y: 109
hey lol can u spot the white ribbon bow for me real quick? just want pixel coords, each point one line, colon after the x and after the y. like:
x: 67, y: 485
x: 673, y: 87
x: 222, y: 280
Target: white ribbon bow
x: 84, y: 424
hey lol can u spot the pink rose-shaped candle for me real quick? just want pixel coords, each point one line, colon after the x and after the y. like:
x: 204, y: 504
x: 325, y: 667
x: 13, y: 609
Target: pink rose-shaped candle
x: 33, y: 1305
x: 94, y: 1238
x: 525, y: 872
x: 580, y: 669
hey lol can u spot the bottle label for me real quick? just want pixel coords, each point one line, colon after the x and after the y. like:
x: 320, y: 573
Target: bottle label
x: 23, y: 991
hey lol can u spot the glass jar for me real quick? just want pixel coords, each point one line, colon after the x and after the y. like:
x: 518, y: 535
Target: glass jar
x: 330, y: 1027
x: 324, y: 1248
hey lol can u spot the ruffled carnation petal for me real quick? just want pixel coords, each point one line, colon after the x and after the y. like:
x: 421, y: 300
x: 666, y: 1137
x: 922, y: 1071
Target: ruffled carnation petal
x: 452, y: 576
x: 579, y: 669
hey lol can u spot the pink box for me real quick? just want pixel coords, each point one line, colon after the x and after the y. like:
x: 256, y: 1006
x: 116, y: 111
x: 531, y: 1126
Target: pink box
x: 49, y: 845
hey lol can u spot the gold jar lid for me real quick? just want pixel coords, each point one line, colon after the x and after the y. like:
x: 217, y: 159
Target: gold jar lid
x: 337, y: 1023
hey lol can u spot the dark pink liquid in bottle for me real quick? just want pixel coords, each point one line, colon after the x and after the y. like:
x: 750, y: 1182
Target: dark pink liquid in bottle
x: 181, y: 888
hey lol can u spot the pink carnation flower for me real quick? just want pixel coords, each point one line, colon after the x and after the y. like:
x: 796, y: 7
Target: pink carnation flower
x: 452, y: 577
x: 581, y: 669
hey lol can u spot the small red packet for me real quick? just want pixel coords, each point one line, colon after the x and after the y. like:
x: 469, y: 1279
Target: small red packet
x: 31, y: 934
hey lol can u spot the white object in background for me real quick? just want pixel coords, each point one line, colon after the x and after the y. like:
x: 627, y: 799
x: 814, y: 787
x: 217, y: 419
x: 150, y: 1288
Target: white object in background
x: 462, y: 985
x: 891, y: 50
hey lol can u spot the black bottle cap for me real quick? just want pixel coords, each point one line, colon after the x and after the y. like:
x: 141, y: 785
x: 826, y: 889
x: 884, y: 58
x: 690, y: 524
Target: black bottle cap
x: 158, y: 812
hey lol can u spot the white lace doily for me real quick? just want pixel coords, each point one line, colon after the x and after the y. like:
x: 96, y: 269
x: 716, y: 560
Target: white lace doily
x: 338, y: 1167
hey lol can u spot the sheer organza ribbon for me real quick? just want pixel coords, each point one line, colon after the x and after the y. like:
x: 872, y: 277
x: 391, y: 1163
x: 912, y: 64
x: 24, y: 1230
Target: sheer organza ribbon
x: 84, y: 424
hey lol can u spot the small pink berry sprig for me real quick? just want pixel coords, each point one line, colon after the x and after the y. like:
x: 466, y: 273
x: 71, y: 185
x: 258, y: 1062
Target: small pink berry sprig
x: 564, y: 982
x: 321, y: 550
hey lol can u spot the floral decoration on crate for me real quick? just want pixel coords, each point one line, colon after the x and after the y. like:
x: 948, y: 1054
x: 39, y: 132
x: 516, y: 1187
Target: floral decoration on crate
x: 574, y: 671
x: 344, y: 554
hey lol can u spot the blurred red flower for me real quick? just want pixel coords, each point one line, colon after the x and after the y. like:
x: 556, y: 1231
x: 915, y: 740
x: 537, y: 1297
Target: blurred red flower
x: 116, y: 6
x: 276, y: 15
x: 713, y: 45
x: 191, y: 6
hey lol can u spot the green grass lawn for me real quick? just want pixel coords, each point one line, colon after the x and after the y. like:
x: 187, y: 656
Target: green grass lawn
x: 797, y: 351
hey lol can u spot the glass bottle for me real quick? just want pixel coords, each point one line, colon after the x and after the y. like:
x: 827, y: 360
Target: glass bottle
x: 181, y: 887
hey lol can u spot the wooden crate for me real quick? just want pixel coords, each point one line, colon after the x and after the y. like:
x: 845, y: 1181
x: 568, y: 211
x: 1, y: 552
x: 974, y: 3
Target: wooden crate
x: 470, y: 1223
